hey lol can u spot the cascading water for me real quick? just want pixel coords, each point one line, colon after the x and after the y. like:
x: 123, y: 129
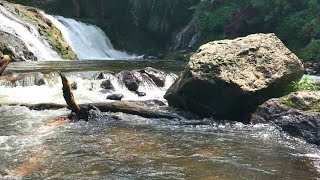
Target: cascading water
x: 88, y: 41
x: 46, y: 88
x: 28, y: 34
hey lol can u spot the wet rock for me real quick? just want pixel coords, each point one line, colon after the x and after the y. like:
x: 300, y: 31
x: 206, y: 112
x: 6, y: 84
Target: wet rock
x: 15, y: 47
x: 231, y: 78
x: 100, y: 76
x: 74, y: 86
x: 140, y: 94
x: 39, y: 79
x: 312, y: 68
x: 129, y: 80
x: 298, y: 114
x: 106, y: 85
x: 116, y: 97
x: 158, y: 77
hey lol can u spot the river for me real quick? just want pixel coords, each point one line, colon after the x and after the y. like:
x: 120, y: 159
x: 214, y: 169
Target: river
x: 32, y: 146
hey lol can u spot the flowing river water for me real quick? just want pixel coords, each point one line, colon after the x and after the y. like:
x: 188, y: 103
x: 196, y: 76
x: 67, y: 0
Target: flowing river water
x: 32, y: 146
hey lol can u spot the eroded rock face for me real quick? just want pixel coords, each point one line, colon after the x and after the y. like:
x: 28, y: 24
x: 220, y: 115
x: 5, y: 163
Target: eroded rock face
x: 298, y: 114
x: 230, y: 78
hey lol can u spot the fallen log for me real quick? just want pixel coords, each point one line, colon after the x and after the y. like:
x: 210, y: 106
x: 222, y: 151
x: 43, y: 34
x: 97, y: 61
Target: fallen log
x: 5, y: 60
x: 122, y: 106
x: 131, y: 108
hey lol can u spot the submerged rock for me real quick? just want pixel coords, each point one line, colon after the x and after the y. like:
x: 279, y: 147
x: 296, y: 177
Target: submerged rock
x: 298, y: 114
x: 116, y: 97
x: 230, y: 78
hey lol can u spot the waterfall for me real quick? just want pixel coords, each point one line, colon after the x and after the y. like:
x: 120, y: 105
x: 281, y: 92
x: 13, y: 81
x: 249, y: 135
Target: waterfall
x: 88, y: 41
x: 28, y: 34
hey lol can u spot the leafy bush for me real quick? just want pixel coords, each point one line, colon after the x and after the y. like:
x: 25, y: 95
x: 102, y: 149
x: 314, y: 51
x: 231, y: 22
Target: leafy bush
x: 306, y: 84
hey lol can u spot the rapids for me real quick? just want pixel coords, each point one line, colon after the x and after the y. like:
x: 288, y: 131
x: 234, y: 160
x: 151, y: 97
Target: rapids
x: 137, y: 148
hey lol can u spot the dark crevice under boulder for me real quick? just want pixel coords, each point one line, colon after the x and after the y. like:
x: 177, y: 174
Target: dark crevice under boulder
x: 229, y: 79
x: 298, y: 114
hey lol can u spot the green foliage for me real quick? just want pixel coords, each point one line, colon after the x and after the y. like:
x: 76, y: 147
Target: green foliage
x: 312, y: 51
x: 305, y: 84
x: 296, y: 23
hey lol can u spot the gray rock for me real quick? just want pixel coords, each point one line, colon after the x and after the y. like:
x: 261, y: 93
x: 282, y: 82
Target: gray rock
x: 231, y: 78
x: 116, y: 97
x: 298, y: 114
x: 129, y: 80
x: 140, y: 94
x: 158, y: 77
x: 106, y: 85
x: 74, y: 86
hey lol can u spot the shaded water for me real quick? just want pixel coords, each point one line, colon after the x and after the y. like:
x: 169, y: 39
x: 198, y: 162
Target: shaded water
x: 32, y: 146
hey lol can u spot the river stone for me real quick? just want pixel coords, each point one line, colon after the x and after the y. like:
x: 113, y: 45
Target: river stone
x: 158, y: 77
x: 106, y: 84
x: 116, y: 97
x: 141, y: 94
x: 74, y: 86
x: 129, y: 80
x: 298, y: 114
x: 231, y: 78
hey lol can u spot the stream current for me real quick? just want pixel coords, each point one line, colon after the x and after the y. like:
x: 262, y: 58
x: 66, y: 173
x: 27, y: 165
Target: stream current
x: 136, y: 147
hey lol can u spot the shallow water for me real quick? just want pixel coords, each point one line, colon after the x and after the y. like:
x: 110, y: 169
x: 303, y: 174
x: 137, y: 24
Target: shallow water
x: 138, y: 148
x: 33, y: 146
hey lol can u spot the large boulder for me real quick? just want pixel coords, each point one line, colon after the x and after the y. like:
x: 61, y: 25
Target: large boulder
x: 231, y: 78
x: 298, y: 114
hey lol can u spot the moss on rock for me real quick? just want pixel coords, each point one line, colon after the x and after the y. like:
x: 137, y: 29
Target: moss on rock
x: 46, y: 29
x: 303, y: 100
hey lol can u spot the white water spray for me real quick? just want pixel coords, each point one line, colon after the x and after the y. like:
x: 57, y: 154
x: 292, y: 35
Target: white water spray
x: 88, y: 41
x: 28, y: 34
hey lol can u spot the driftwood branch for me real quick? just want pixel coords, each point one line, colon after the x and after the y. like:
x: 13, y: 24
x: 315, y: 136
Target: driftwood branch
x: 68, y: 95
x: 5, y: 60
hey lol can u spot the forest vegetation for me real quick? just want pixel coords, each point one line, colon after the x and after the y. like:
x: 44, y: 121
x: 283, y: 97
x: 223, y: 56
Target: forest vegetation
x: 150, y: 26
